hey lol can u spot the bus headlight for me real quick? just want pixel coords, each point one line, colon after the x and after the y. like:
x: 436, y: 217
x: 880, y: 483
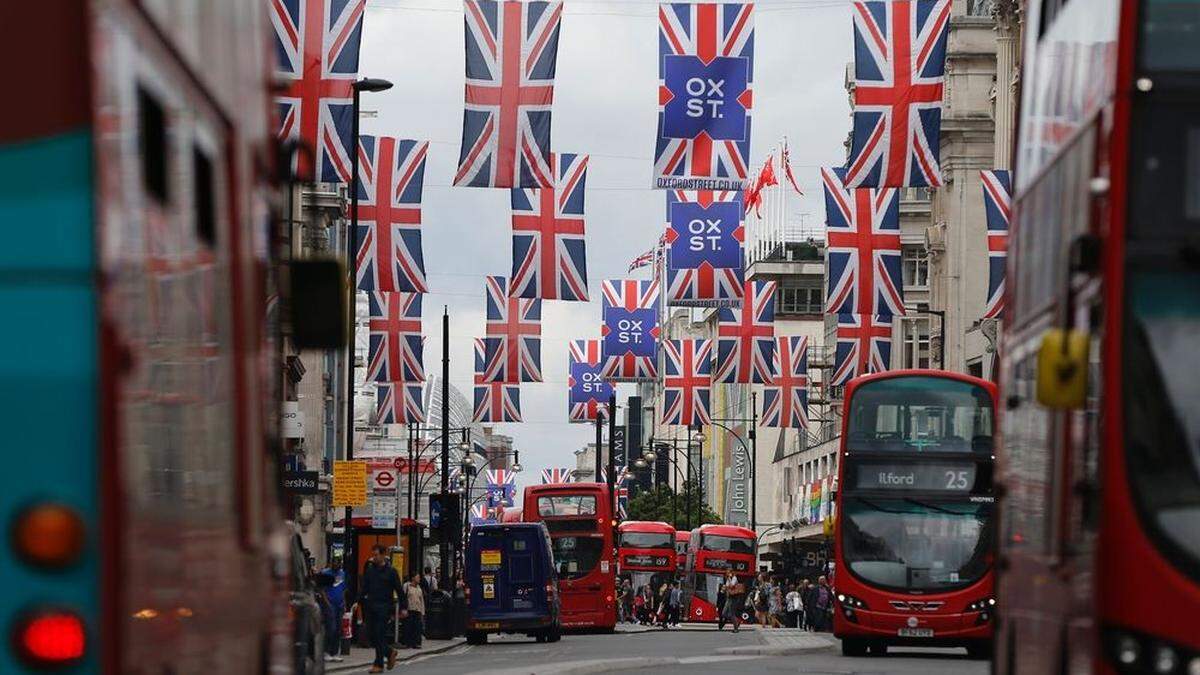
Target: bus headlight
x: 1138, y: 654
x: 851, y: 601
x: 981, y: 605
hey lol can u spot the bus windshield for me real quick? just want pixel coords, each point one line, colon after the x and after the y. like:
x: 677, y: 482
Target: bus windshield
x: 575, y: 557
x: 647, y: 540
x: 567, y: 505
x: 910, y: 544
x: 716, y: 542
x: 920, y: 414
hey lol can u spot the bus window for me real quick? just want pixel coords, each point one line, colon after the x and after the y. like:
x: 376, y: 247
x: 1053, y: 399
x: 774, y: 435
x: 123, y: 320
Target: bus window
x: 647, y: 540
x: 1169, y: 30
x: 576, y: 556
x: 920, y: 414
x: 716, y: 542
x: 908, y: 544
x: 567, y: 505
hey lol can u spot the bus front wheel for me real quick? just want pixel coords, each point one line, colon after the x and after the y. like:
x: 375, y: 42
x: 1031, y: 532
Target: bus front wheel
x: 854, y: 647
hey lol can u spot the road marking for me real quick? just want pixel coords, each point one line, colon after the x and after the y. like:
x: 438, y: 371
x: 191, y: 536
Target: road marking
x: 687, y: 660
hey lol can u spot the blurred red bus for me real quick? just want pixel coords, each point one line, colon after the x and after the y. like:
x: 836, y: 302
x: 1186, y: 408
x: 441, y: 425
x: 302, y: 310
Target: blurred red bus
x: 714, y: 550
x: 1100, y: 489
x: 579, y: 518
x: 646, y: 553
x: 915, y: 529
x: 141, y: 383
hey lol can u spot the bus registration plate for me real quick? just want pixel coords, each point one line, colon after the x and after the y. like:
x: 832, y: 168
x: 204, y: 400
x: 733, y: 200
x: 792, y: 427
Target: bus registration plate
x: 915, y: 632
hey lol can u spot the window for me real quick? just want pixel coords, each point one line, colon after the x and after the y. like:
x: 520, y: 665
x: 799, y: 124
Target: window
x: 920, y: 414
x: 915, y: 344
x: 915, y: 266
x: 152, y: 133
x: 567, y: 505
x: 800, y: 297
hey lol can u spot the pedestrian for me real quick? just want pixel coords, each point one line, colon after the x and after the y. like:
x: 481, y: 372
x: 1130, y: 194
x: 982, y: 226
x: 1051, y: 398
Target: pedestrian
x: 429, y: 580
x: 336, y: 595
x: 322, y: 582
x: 794, y: 605
x: 381, y: 588
x: 675, y: 607
x: 735, y: 596
x: 721, y: 600
x: 414, y: 624
x: 759, y: 600
x: 627, y: 597
x: 639, y: 608
x: 809, y: 597
x: 823, y: 604
x: 775, y: 606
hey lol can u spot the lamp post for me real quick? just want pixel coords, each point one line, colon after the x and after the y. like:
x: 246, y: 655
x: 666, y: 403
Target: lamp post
x: 368, y: 84
x: 698, y: 437
x: 647, y: 461
x: 468, y: 474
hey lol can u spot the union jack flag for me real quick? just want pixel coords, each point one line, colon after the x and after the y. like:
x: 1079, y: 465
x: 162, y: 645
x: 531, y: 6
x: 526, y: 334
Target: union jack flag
x: 481, y: 514
x: 687, y: 382
x: 549, y: 256
x: 997, y: 201
x: 746, y: 337
x: 556, y: 475
x: 650, y: 257
x: 494, y: 401
x: 705, y: 234
x: 863, y: 234
x: 514, y: 326
x: 704, y: 136
x: 587, y: 391
x: 391, y: 175
x: 501, y: 484
x: 512, y: 50
x: 899, y: 73
x: 316, y: 48
x: 630, y: 331
x: 785, y: 399
x: 864, y: 346
x: 396, y: 349
x: 399, y: 403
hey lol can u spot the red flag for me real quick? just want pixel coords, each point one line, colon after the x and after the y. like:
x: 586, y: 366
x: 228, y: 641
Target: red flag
x: 787, y: 170
x: 766, y: 177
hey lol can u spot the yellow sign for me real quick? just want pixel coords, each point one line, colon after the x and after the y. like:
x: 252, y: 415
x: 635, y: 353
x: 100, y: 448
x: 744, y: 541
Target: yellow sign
x: 349, y: 484
x: 489, y: 587
x: 489, y: 558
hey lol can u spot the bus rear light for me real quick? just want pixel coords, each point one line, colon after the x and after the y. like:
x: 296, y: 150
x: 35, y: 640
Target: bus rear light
x: 48, y: 535
x: 50, y: 638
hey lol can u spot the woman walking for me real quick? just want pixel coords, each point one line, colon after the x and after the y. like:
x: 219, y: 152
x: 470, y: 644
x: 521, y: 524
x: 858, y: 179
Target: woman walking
x: 735, y: 596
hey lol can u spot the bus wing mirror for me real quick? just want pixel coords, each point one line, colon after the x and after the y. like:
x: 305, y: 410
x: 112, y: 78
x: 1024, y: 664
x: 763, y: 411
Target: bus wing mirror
x: 1062, y: 369
x: 318, y: 303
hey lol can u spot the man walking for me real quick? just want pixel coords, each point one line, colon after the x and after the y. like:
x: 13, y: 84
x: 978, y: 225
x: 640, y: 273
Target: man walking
x: 676, y: 604
x: 380, y: 588
x: 336, y: 595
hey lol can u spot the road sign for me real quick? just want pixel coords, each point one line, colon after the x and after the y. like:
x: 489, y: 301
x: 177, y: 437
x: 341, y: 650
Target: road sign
x: 384, y: 479
x: 383, y: 513
x: 399, y: 463
x: 349, y: 483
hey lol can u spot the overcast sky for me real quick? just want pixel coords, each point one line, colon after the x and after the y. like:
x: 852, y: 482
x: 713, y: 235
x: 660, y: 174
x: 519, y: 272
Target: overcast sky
x: 604, y: 105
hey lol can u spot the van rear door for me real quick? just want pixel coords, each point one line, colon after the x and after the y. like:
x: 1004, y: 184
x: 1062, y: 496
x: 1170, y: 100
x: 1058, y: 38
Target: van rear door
x: 525, y: 571
x: 487, y: 547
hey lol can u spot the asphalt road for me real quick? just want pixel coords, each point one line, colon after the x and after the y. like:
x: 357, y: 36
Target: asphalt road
x: 685, y: 651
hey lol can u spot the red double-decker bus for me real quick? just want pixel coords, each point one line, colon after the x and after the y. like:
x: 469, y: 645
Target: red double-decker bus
x: 1100, y: 459
x: 682, y: 538
x: 915, y: 525
x: 579, y: 518
x: 646, y: 553
x: 714, y: 550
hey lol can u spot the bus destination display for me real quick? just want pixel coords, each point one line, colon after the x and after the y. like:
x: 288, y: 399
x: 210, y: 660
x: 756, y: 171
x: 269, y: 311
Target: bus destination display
x: 940, y: 477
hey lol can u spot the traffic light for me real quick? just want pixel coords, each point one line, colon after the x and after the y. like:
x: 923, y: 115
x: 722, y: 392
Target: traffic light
x: 445, y: 517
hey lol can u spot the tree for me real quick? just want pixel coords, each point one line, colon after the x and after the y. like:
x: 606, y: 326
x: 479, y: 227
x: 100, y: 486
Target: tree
x: 656, y: 504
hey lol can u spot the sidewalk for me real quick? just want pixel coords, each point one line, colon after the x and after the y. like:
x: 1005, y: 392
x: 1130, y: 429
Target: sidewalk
x: 360, y: 658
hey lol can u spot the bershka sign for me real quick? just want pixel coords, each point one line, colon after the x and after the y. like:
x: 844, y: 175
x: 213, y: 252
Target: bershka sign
x: 301, y: 482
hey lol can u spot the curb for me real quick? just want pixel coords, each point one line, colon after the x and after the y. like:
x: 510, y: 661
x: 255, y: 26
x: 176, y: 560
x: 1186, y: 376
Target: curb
x: 593, y: 666
x: 773, y: 650
x: 402, y: 658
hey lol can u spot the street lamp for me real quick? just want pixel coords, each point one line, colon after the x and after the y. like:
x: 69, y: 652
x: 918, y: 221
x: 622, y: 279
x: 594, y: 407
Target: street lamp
x: 364, y: 84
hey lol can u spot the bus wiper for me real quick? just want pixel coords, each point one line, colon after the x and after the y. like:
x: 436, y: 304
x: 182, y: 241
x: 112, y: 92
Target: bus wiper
x: 934, y: 507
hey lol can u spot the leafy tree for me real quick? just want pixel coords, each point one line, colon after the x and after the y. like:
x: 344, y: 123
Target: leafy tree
x: 656, y: 504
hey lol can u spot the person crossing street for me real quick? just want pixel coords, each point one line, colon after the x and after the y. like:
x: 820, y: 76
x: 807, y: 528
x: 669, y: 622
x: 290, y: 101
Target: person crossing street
x: 381, y: 588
